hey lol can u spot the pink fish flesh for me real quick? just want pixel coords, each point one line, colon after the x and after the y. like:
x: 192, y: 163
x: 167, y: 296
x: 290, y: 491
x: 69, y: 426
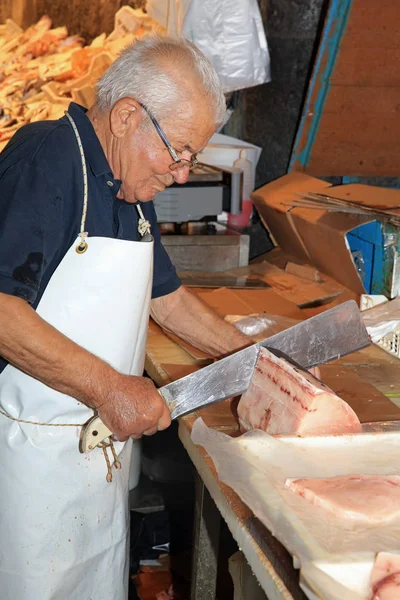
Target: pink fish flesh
x: 365, y: 500
x: 283, y: 400
x: 385, y: 579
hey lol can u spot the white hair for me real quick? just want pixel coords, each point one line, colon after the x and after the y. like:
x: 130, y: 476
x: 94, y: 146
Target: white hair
x: 159, y: 72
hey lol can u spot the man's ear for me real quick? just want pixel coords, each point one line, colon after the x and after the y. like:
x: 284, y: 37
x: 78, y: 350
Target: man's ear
x: 125, y: 116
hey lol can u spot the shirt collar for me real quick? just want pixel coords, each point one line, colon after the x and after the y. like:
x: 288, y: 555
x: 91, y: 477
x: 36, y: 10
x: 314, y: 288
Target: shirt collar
x: 94, y: 152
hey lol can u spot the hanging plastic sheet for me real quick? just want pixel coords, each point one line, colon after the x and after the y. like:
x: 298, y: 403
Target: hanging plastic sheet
x: 229, y: 32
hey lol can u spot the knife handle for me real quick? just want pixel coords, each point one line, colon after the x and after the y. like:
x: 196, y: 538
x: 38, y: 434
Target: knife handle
x: 94, y: 432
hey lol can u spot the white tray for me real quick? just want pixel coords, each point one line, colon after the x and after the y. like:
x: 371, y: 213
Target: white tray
x: 256, y: 465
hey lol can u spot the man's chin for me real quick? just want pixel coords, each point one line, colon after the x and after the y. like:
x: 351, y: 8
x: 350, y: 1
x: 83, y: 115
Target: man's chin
x: 144, y: 195
x: 148, y: 196
x: 140, y: 198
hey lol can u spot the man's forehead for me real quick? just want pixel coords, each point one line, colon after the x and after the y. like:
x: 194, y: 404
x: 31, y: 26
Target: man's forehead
x: 191, y: 136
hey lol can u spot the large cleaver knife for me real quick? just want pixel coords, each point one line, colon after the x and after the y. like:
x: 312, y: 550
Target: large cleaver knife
x: 325, y: 337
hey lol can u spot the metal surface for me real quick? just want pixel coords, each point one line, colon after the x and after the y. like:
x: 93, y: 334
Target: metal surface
x: 323, y: 338
x: 207, y: 523
x: 226, y: 378
x: 196, y: 250
x: 208, y: 192
x: 277, y: 554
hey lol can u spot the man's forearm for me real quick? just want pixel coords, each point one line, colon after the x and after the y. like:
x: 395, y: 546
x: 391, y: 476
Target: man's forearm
x: 35, y: 347
x: 185, y: 315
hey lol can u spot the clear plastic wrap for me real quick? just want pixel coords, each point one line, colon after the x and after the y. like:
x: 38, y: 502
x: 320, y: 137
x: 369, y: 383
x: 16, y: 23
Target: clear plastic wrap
x: 262, y: 325
x: 257, y: 465
x: 382, y: 319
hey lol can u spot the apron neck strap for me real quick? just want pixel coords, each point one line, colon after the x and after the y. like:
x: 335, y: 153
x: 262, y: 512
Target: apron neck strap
x: 144, y: 226
x: 82, y: 246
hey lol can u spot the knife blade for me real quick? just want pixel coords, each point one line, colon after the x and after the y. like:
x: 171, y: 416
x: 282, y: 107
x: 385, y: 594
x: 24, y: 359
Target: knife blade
x: 325, y: 337
x: 328, y: 336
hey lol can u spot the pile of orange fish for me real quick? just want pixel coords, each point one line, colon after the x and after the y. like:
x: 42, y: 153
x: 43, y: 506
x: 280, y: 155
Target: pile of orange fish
x: 43, y: 68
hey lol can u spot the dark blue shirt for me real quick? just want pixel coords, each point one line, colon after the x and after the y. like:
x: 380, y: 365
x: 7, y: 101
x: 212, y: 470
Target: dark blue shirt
x: 41, y: 199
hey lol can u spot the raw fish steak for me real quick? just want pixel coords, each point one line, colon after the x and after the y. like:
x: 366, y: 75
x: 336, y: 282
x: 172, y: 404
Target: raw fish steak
x: 385, y: 579
x: 284, y: 400
x: 366, y: 500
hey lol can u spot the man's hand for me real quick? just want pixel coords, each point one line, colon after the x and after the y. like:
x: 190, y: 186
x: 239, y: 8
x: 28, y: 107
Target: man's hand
x: 186, y: 315
x: 133, y: 408
x: 129, y: 406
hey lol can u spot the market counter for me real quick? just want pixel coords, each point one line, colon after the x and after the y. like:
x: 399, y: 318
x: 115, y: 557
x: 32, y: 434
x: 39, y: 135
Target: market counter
x: 270, y: 562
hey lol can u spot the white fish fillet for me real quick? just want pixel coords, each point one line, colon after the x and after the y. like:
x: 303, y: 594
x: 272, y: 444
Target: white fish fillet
x: 282, y: 400
x: 365, y: 500
x: 385, y: 578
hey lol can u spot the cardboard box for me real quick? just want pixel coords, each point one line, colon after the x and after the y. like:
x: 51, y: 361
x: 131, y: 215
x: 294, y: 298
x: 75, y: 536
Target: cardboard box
x: 246, y: 302
x: 320, y: 237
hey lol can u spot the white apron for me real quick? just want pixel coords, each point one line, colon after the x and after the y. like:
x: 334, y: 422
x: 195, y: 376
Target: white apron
x: 63, y: 528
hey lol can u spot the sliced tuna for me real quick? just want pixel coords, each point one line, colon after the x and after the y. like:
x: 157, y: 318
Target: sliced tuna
x: 385, y: 579
x: 365, y: 500
x: 284, y: 400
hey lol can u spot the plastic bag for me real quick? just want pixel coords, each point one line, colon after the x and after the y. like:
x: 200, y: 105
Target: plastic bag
x: 231, y: 35
x: 262, y: 325
x: 229, y: 32
x: 382, y: 319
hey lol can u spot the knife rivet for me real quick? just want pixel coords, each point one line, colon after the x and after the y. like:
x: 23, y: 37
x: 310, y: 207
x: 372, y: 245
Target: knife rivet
x: 95, y: 432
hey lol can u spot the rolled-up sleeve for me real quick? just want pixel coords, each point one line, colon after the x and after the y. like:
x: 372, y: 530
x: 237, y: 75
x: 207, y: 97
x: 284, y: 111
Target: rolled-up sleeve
x: 31, y: 208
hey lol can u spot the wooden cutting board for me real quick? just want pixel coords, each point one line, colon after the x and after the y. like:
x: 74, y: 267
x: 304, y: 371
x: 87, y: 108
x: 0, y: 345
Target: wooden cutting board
x: 167, y: 361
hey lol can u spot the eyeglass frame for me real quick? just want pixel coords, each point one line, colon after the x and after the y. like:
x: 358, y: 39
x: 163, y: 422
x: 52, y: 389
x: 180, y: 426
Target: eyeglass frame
x: 174, y: 155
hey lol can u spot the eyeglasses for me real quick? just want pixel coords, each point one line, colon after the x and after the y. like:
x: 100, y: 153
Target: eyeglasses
x: 179, y: 163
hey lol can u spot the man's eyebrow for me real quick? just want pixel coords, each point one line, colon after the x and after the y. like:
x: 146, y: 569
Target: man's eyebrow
x: 189, y: 148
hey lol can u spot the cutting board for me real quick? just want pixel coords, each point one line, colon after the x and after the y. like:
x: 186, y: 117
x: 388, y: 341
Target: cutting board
x: 257, y: 465
x: 166, y: 361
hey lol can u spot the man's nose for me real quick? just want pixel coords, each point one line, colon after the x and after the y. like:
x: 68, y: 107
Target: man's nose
x: 181, y: 175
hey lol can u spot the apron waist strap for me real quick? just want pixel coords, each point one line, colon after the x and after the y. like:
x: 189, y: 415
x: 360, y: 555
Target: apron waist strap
x: 103, y: 445
x: 2, y: 412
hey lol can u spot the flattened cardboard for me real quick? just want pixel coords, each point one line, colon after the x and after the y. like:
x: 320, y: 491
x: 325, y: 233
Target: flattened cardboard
x: 304, y: 271
x: 369, y: 404
x: 296, y: 289
x: 246, y: 302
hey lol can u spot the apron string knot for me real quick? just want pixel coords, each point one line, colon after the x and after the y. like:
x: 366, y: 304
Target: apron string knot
x: 104, y: 445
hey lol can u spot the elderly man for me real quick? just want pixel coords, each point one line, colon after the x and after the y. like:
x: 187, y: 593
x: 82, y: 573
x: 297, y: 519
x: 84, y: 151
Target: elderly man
x: 77, y: 281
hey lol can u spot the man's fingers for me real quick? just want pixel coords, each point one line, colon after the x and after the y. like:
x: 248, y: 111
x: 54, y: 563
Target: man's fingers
x: 165, y: 419
x: 117, y: 438
x: 150, y: 431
